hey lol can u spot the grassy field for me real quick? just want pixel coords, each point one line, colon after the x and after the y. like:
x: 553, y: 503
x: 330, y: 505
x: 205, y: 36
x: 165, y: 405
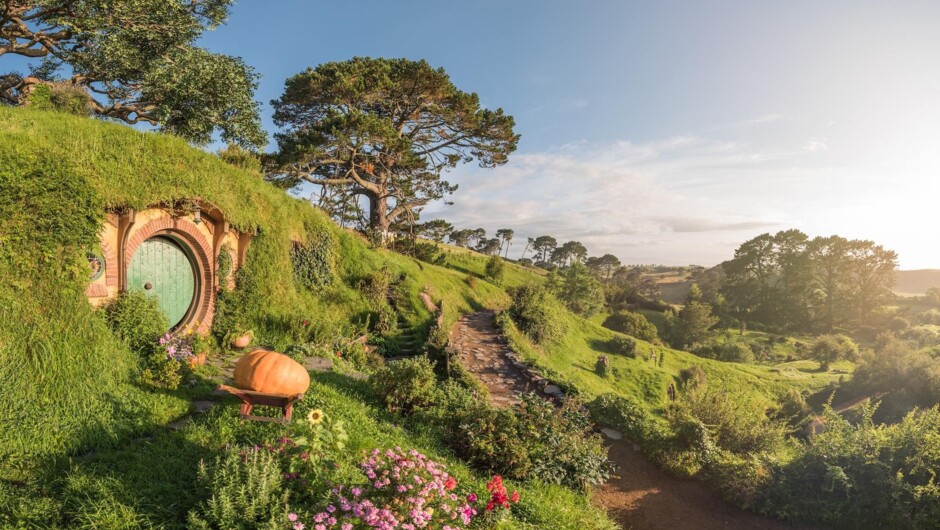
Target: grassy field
x: 151, y: 482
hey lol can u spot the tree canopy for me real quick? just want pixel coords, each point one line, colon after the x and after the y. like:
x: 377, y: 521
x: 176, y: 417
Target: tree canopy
x: 387, y: 129
x: 136, y: 61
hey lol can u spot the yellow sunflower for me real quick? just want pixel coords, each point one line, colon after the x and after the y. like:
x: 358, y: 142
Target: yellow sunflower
x: 315, y: 416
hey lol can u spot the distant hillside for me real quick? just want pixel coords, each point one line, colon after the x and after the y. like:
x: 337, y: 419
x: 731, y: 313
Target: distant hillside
x: 916, y: 282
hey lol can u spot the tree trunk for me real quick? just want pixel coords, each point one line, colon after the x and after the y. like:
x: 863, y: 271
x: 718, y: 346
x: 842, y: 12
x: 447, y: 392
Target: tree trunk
x: 378, y: 217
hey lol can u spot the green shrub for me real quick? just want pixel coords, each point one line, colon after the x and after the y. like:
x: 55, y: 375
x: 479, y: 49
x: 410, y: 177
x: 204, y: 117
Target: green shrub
x: 693, y: 376
x: 622, y: 345
x: 495, y: 270
x: 61, y: 97
x: 623, y: 414
x: 830, y: 348
x: 736, y: 424
x: 562, y: 444
x: 245, y: 490
x: 486, y: 437
x: 361, y: 357
x: 314, y: 261
x: 602, y: 366
x: 161, y: 372
x: 406, y: 386
x: 633, y: 324
x: 429, y: 253
x: 537, y: 313
x: 137, y: 320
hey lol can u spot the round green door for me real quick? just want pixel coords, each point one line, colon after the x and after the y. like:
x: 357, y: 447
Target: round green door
x: 162, y: 269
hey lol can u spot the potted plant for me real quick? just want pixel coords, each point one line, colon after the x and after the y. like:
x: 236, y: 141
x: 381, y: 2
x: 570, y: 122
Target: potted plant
x: 243, y: 339
x: 201, y: 347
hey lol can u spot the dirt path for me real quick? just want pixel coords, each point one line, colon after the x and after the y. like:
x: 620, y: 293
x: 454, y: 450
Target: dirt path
x: 643, y: 496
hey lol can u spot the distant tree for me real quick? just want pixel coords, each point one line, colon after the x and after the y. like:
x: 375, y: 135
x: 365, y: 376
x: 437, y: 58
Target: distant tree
x: 461, y: 238
x: 933, y: 296
x: 694, y: 295
x: 871, y: 269
x: 387, y: 129
x: 578, y: 289
x: 633, y: 324
x: 505, y: 234
x: 543, y: 247
x: 489, y: 246
x: 827, y: 349
x: 476, y: 236
x: 435, y: 230
x: 135, y: 61
x: 604, y: 266
x: 694, y: 322
x: 530, y: 241
x: 567, y: 253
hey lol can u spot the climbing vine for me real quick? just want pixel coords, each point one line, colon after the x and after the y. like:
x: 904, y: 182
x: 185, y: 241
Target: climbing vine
x: 224, y: 266
x: 314, y: 261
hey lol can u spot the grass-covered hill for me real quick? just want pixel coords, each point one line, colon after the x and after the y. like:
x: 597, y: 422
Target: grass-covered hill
x: 64, y: 384
x: 82, y: 443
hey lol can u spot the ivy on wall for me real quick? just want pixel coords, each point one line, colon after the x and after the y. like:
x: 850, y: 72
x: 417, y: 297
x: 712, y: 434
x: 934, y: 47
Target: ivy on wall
x: 314, y: 261
x: 224, y: 266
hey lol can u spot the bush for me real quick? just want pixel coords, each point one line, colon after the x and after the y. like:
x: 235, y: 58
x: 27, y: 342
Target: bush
x: 602, y: 366
x: 495, y: 270
x: 406, y: 386
x: 623, y: 414
x: 633, y: 324
x: 245, y: 490
x: 486, y: 437
x: 137, y: 320
x: 537, y: 313
x: 737, y: 425
x: 429, y: 253
x: 314, y: 261
x: 734, y: 352
x: 561, y: 443
x: 535, y: 440
x: 692, y: 377
x: 361, y: 357
x: 622, y: 345
x: 830, y: 348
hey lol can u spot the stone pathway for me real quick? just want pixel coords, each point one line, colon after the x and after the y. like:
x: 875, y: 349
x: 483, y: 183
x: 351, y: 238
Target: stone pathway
x: 483, y: 352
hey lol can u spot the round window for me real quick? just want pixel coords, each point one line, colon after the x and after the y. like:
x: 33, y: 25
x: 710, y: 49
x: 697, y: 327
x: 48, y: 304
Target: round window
x: 95, y: 266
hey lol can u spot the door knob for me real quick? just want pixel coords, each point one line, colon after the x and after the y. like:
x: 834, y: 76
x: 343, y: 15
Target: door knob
x: 148, y: 286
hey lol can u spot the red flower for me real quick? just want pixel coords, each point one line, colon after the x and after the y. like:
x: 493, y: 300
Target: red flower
x: 450, y: 483
x: 306, y: 323
x: 338, y: 354
x: 489, y: 506
x: 514, y: 497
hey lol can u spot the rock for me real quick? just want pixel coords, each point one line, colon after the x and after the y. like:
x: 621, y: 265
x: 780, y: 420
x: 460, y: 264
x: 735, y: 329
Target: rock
x: 552, y: 390
x: 202, y: 406
x: 610, y: 433
x: 179, y: 424
x: 318, y: 364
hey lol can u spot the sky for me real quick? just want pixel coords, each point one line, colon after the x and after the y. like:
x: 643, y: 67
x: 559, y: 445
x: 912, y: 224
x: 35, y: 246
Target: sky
x: 662, y: 132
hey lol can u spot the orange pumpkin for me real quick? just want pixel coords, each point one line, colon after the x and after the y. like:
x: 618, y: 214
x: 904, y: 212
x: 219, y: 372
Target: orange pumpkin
x: 271, y: 373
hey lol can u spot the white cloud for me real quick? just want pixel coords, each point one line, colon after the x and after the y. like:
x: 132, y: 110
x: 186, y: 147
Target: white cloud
x: 668, y: 200
x: 814, y: 144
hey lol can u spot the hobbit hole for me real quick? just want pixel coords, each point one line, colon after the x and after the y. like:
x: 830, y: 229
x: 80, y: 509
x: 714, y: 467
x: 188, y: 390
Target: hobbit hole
x: 172, y: 256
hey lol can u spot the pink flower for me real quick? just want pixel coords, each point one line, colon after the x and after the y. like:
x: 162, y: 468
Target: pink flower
x: 292, y: 517
x: 300, y: 526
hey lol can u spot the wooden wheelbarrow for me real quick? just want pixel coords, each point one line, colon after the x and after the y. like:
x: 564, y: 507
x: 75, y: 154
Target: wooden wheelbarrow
x: 250, y: 398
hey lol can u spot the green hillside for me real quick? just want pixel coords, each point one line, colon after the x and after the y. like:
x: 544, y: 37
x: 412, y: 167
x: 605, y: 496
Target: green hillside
x: 67, y: 385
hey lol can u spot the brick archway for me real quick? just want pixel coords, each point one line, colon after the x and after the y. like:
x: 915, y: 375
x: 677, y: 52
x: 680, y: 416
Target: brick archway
x: 189, y: 235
